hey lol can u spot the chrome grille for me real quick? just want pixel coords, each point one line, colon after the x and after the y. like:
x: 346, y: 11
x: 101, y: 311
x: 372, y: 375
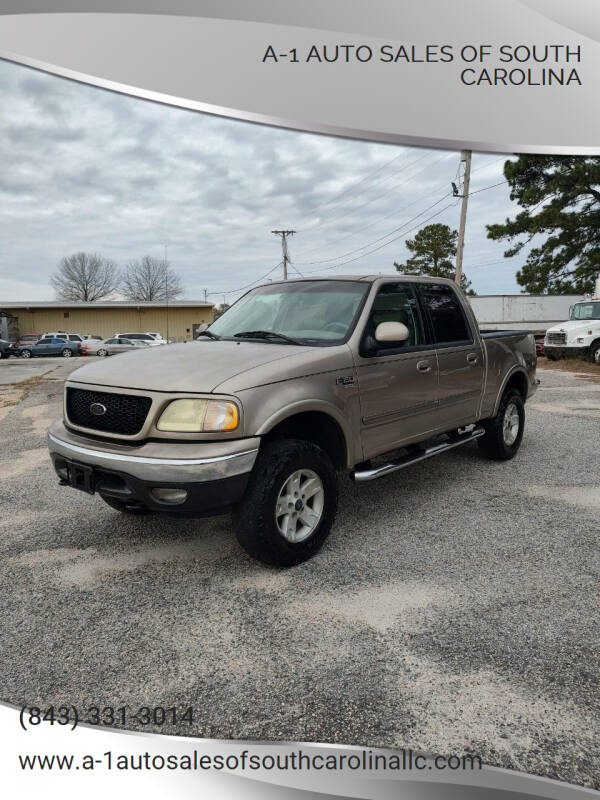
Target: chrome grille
x: 556, y: 338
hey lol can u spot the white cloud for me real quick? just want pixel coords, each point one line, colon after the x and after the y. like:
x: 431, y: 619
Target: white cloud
x: 86, y: 169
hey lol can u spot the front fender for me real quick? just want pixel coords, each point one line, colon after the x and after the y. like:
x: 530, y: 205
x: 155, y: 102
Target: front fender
x: 322, y: 406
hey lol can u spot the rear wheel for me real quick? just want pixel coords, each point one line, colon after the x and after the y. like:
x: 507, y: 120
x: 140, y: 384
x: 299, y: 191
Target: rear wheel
x: 290, y: 503
x: 125, y: 508
x: 504, y: 432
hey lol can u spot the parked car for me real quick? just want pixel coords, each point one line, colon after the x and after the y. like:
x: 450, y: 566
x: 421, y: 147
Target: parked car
x: 26, y: 338
x: 149, y: 338
x: 120, y: 344
x: 50, y: 347
x: 298, y: 380
x: 67, y: 337
x: 539, y: 346
x: 6, y: 349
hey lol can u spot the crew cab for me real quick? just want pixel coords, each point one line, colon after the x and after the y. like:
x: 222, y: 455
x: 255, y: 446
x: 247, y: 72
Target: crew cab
x: 296, y: 382
x: 579, y: 337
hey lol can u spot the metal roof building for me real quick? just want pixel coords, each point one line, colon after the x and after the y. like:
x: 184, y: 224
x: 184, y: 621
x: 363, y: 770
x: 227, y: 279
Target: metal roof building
x: 179, y: 319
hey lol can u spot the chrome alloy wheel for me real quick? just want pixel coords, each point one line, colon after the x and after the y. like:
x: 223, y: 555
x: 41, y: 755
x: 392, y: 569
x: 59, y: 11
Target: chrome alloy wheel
x: 299, y: 505
x: 511, y: 424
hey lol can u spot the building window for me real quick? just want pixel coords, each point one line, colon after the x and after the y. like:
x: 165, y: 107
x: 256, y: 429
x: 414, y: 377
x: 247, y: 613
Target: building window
x: 66, y: 314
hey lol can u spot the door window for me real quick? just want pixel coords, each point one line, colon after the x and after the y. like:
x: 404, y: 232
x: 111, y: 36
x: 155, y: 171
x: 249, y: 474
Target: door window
x: 394, y: 302
x: 448, y: 320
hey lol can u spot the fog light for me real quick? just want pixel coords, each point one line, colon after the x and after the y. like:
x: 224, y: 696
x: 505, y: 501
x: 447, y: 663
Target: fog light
x: 170, y: 495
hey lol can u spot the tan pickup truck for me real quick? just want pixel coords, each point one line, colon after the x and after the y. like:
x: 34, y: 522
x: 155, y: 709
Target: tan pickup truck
x: 297, y: 381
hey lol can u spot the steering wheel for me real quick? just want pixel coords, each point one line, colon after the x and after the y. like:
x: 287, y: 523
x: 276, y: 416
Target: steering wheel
x: 332, y: 326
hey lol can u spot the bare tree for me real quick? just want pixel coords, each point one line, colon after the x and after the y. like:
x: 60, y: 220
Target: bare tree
x: 85, y: 277
x: 150, y: 279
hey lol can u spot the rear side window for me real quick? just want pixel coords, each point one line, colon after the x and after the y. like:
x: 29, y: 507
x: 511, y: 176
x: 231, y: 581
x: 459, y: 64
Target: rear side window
x: 445, y: 312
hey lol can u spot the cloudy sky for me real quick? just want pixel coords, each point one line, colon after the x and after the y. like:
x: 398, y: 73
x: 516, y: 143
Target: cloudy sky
x: 86, y: 169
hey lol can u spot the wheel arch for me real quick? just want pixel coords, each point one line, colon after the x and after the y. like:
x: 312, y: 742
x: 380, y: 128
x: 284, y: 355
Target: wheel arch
x: 518, y: 379
x: 317, y: 422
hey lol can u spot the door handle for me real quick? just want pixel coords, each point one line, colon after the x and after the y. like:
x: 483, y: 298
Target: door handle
x: 472, y: 358
x: 423, y: 366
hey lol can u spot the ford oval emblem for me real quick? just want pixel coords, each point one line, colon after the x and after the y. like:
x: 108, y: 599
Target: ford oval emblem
x: 97, y: 409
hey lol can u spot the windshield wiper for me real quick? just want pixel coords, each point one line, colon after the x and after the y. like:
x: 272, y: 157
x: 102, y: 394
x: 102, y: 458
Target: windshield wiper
x: 265, y: 335
x: 208, y: 333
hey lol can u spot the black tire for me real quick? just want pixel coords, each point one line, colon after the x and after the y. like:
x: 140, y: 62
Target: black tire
x: 595, y: 353
x: 551, y: 356
x: 119, y: 505
x: 494, y: 443
x: 254, y: 518
x: 26, y: 353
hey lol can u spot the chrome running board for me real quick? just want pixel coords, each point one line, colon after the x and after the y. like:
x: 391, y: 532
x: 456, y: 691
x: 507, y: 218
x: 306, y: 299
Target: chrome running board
x: 412, y: 458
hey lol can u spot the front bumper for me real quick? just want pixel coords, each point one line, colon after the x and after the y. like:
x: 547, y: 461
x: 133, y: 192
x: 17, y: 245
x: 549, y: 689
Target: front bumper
x: 564, y: 351
x: 214, y: 474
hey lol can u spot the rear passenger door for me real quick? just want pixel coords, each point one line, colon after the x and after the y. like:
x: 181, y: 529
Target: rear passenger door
x: 459, y: 354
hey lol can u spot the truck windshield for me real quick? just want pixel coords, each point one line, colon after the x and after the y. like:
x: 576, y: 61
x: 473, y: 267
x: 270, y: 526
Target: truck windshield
x: 585, y: 311
x: 308, y: 312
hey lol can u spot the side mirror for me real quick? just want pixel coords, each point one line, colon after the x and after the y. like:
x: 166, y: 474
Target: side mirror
x: 391, y: 332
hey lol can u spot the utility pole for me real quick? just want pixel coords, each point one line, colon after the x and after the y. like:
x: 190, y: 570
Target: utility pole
x: 284, y: 249
x: 466, y: 158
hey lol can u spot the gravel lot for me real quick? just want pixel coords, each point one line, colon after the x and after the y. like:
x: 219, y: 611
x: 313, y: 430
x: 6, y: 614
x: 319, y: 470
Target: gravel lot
x: 453, y: 607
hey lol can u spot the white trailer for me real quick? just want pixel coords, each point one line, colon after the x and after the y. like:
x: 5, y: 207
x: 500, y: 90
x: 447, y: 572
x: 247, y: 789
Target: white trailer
x: 532, y: 312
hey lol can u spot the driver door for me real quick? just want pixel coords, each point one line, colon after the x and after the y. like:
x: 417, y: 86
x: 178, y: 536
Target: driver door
x: 398, y: 380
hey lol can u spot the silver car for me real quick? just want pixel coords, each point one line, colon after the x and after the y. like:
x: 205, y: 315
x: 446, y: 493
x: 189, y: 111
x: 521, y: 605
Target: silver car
x: 109, y: 347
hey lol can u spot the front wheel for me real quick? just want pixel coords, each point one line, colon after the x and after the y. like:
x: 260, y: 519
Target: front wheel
x: 66, y: 353
x: 504, y: 432
x: 25, y: 353
x: 290, y: 503
x: 595, y: 353
x: 102, y: 352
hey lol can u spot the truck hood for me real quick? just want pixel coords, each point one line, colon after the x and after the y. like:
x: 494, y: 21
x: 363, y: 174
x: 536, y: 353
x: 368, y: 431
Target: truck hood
x: 575, y: 326
x: 199, y: 366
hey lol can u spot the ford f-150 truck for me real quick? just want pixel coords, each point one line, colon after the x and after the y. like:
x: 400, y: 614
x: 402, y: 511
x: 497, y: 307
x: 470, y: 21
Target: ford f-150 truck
x: 297, y: 381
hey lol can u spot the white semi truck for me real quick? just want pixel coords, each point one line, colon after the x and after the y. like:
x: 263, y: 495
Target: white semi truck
x: 578, y: 337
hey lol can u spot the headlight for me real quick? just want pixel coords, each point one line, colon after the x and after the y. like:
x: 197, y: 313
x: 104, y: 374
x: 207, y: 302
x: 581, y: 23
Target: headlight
x: 199, y: 416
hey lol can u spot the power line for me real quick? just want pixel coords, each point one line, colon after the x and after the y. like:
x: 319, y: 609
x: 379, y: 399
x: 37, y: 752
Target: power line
x: 319, y: 223
x: 354, y: 185
x: 247, y: 286
x: 485, y: 188
x: 385, y: 235
x: 385, y: 244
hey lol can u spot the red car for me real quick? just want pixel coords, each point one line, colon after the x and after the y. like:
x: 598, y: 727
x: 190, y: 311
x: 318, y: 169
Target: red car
x: 539, y: 346
x: 27, y: 338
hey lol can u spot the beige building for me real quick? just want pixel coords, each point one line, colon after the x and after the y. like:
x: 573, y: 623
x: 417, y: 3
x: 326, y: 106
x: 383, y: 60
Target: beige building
x: 179, y: 320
